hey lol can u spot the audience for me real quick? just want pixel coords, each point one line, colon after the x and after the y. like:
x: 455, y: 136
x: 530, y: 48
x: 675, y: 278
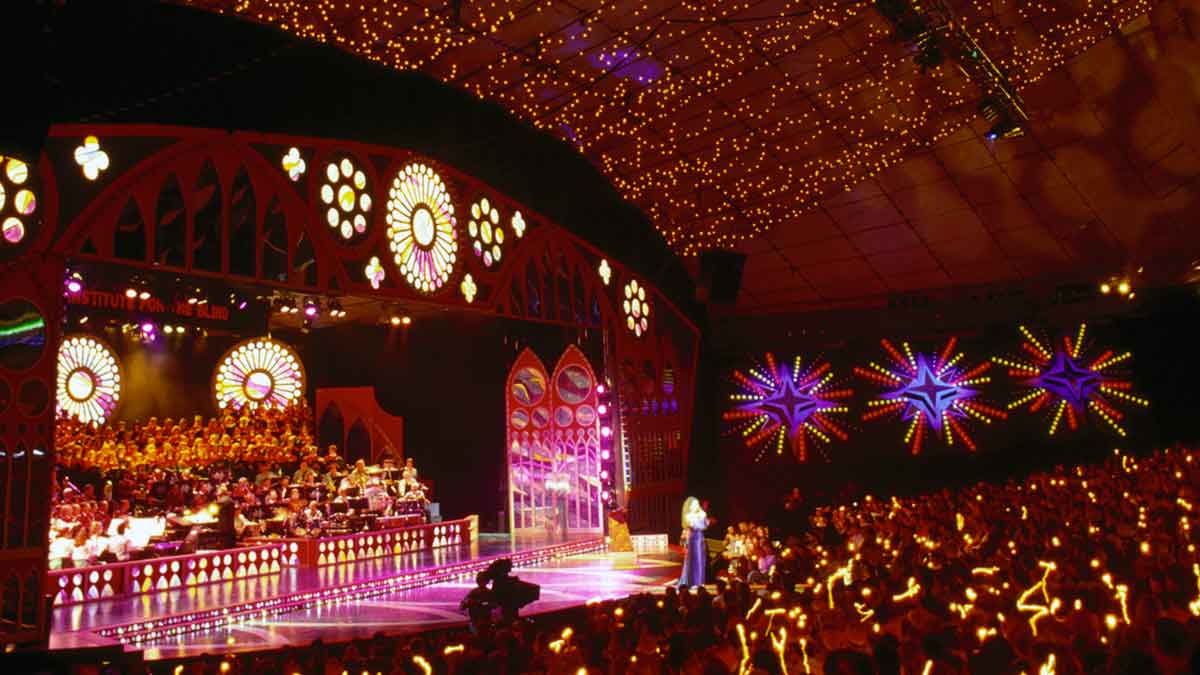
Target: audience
x: 1088, y: 569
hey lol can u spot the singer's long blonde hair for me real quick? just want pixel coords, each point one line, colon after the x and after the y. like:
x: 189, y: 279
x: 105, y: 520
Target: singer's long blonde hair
x: 688, y: 504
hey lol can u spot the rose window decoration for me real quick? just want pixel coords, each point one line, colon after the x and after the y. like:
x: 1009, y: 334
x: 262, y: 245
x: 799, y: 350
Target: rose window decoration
x: 422, y: 231
x: 89, y: 379
x: 17, y: 199
x: 485, y: 231
x: 347, y: 198
x: 259, y: 372
x: 637, y: 308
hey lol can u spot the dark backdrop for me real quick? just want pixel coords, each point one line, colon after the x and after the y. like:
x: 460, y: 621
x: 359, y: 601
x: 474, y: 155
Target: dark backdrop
x: 445, y: 374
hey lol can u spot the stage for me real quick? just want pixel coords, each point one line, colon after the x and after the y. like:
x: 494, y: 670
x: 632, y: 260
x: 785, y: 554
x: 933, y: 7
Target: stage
x: 395, y: 594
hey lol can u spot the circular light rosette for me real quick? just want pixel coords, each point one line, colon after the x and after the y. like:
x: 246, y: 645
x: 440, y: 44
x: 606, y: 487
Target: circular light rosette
x: 89, y: 379
x: 486, y: 234
x: 422, y: 231
x: 346, y: 196
x: 637, y: 308
x: 259, y: 372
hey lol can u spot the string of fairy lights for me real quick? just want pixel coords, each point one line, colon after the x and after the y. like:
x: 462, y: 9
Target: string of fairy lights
x: 717, y: 119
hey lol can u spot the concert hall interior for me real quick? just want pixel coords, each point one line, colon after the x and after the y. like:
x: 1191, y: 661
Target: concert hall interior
x: 646, y: 336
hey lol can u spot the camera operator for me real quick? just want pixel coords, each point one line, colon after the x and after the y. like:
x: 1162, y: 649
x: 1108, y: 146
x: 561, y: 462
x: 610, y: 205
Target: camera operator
x: 508, y: 591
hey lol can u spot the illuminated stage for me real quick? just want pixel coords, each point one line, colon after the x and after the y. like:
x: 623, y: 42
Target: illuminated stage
x: 399, y: 594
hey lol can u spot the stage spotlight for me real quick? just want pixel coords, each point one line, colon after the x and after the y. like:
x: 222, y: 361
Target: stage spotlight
x: 74, y: 283
x: 1123, y: 288
x: 311, y: 308
x: 131, y: 293
x: 1105, y: 288
x: 406, y: 320
x: 395, y: 320
x: 144, y: 295
x: 168, y: 329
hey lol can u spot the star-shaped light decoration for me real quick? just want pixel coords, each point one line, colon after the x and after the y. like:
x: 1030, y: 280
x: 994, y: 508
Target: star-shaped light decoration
x: 518, y: 224
x: 375, y: 272
x: 468, y: 288
x: 778, y: 407
x: 91, y: 158
x: 1068, y: 379
x: 293, y: 164
x: 605, y: 271
x: 933, y: 393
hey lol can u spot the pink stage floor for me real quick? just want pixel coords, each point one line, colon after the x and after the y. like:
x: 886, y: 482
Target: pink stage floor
x: 565, y: 582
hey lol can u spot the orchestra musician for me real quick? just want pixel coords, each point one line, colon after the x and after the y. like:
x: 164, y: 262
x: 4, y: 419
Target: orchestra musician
x: 359, y: 477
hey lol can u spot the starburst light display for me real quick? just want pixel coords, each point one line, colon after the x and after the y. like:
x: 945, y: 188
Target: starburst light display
x: 794, y: 406
x: 935, y: 394
x: 1066, y: 380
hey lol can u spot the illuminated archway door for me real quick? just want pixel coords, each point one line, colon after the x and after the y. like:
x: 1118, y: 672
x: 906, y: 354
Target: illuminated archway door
x: 576, y: 439
x: 531, y: 480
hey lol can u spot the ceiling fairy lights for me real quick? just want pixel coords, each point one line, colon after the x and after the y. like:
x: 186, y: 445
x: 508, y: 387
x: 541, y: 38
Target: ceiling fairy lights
x: 259, y: 372
x: 89, y: 379
x: 781, y: 406
x: 1070, y: 379
x: 935, y: 393
x: 422, y: 231
x: 718, y: 119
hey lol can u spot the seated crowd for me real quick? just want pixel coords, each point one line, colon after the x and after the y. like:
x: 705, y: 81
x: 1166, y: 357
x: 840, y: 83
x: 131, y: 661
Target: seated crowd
x: 1088, y: 569
x: 121, y: 489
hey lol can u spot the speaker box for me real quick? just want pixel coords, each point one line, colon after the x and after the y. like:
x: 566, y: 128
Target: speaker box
x: 720, y: 276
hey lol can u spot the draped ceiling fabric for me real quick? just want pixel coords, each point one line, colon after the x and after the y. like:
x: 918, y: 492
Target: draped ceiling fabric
x: 804, y: 134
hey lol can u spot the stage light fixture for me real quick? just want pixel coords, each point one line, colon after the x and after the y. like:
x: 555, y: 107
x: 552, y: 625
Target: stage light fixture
x: 1105, y: 288
x: 131, y: 293
x: 311, y: 308
x: 395, y: 320
x: 168, y: 329
x: 144, y: 295
x: 1123, y: 287
x: 74, y: 283
x: 406, y: 320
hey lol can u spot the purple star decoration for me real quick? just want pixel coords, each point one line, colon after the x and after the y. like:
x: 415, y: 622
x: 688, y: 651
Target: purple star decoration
x: 1066, y: 379
x: 931, y: 394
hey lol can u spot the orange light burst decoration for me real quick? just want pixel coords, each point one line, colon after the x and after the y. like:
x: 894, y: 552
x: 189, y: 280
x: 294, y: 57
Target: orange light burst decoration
x: 935, y: 394
x: 796, y: 406
x: 718, y: 119
x: 1065, y: 380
